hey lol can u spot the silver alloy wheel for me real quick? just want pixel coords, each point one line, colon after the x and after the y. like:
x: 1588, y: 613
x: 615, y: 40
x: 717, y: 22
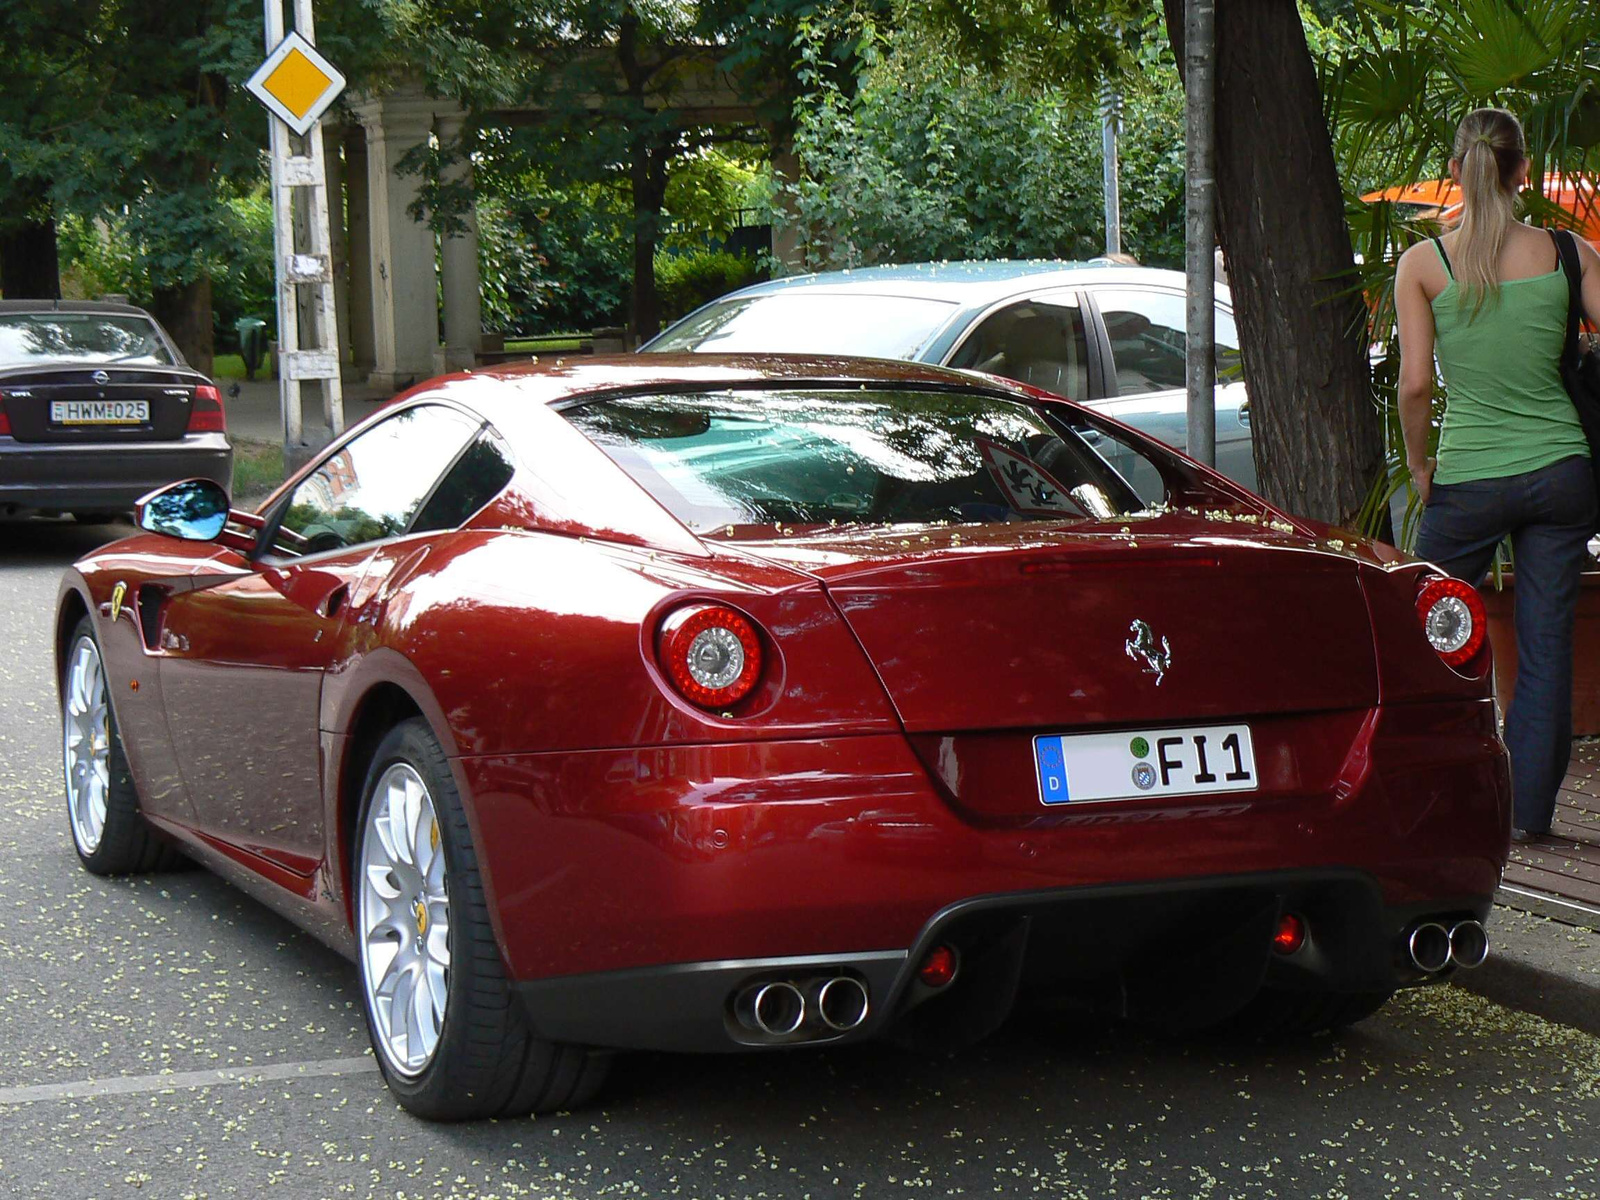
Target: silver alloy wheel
x: 403, y: 919
x: 86, y: 745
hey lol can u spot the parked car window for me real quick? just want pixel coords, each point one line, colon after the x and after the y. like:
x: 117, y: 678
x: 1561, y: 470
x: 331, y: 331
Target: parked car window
x: 1148, y: 333
x: 1037, y: 342
x: 483, y: 469
x: 81, y: 337
x: 771, y: 458
x: 810, y: 322
x: 372, y: 487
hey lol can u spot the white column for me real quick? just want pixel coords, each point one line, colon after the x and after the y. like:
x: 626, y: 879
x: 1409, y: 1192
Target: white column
x: 359, y: 223
x: 405, y: 312
x: 333, y: 139
x: 458, y: 264
x: 785, y: 221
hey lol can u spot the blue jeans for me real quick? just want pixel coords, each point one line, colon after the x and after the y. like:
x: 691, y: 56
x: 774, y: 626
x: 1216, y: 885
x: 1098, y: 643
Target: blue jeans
x: 1549, y: 515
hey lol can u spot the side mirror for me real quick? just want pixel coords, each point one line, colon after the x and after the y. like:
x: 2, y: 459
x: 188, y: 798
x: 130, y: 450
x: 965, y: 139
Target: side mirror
x: 193, y: 509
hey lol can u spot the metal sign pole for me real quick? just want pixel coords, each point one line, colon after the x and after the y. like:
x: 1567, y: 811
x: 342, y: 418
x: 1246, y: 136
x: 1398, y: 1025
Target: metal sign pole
x: 299, y: 182
x: 1111, y: 117
x: 1200, y: 229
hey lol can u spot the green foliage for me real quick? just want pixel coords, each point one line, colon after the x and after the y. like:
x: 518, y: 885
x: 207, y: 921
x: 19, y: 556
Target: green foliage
x: 1073, y: 46
x: 116, y: 253
x: 706, y: 193
x: 686, y: 281
x: 935, y: 160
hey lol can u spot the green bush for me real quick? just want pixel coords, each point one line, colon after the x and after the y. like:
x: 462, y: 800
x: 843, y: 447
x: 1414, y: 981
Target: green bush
x: 686, y: 281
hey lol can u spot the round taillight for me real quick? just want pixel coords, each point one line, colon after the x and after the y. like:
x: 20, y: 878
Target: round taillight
x: 1453, y: 619
x: 711, y: 653
x: 1290, y: 934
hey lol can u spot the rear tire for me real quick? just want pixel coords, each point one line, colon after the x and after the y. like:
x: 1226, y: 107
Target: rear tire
x: 473, y: 1055
x: 109, y: 833
x: 1277, y: 1014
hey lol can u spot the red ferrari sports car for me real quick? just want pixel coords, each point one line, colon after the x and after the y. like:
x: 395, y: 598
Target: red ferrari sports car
x: 741, y: 703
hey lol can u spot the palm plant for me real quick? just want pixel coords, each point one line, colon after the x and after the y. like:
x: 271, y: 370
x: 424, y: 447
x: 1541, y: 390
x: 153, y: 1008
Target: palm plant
x: 1397, y: 78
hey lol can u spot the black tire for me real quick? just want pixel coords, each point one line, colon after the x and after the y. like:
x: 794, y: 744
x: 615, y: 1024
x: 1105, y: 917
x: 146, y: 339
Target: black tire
x: 487, y: 1062
x: 96, y: 518
x: 127, y: 844
x: 1277, y: 1014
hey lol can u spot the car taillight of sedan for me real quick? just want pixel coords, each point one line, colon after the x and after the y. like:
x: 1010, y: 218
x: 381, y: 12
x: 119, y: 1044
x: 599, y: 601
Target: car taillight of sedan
x: 206, y: 414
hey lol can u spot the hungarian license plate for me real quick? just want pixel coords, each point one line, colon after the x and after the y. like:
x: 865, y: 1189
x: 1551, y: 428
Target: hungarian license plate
x: 1144, y: 762
x: 99, y: 412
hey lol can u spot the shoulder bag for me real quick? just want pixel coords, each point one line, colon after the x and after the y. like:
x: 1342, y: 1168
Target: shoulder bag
x: 1580, y: 368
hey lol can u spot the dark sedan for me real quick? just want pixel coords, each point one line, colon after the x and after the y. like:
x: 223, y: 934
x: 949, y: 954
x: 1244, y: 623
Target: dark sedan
x: 98, y: 407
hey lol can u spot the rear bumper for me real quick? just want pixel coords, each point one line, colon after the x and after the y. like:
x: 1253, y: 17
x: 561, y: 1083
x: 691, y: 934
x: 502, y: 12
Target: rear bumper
x: 106, y: 477
x: 667, y: 872
x: 1186, y: 952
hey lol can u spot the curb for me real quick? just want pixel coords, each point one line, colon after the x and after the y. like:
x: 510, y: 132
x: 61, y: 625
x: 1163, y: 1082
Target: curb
x: 1542, y: 966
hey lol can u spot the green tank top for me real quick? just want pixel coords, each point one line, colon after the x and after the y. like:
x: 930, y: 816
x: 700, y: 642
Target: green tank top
x: 1506, y: 410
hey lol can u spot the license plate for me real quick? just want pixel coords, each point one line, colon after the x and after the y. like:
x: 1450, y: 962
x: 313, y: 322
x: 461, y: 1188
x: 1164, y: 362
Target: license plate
x: 1144, y: 762
x: 99, y: 412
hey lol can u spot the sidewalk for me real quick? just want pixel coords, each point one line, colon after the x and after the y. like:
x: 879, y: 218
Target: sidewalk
x: 255, y: 415
x: 1560, y: 878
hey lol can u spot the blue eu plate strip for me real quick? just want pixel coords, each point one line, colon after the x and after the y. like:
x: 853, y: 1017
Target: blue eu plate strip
x: 1052, y: 770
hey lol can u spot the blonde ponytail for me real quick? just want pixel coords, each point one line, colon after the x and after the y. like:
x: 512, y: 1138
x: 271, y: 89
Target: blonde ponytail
x: 1490, y: 149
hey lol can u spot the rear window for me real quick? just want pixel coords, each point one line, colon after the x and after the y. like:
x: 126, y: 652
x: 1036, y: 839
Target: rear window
x: 810, y: 322
x: 35, y: 338
x: 726, y: 461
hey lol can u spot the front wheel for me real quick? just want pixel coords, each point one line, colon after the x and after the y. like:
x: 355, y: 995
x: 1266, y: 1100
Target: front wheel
x: 449, y: 1034
x: 108, y: 831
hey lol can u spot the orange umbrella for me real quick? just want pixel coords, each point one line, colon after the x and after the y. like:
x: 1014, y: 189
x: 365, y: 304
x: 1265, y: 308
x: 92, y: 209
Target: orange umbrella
x: 1442, y: 198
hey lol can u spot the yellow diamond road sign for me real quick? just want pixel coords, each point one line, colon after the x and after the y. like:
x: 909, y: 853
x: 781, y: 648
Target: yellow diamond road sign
x: 296, y: 82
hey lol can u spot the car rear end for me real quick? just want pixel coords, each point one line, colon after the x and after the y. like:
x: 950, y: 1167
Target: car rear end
x: 96, y: 409
x: 1147, y: 761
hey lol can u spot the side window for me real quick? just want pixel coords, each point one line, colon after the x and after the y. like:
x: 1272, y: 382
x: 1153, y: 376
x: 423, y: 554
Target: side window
x: 372, y: 487
x: 483, y: 469
x: 1148, y: 331
x: 1035, y: 342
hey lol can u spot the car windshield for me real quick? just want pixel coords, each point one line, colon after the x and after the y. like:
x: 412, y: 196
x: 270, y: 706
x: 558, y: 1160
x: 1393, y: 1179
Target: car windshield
x: 810, y: 322
x: 725, y: 462
x: 37, y: 338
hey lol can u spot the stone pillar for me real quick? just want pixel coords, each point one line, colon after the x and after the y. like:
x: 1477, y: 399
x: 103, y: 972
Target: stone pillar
x: 458, y: 263
x: 358, y: 224
x: 405, y: 311
x: 333, y: 138
x: 785, y: 222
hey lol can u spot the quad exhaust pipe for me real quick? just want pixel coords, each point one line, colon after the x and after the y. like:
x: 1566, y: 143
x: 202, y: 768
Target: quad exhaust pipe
x: 1431, y: 946
x: 836, y: 1004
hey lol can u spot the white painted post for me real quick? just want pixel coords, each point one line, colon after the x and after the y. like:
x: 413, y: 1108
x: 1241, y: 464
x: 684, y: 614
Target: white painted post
x: 310, y: 353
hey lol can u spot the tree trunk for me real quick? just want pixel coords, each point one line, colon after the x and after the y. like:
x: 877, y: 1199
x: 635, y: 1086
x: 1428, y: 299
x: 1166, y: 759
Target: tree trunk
x: 185, y: 311
x: 29, y: 269
x: 1281, y: 222
x: 648, y: 174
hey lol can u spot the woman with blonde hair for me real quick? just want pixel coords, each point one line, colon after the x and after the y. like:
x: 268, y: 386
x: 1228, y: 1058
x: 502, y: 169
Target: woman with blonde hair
x: 1489, y: 301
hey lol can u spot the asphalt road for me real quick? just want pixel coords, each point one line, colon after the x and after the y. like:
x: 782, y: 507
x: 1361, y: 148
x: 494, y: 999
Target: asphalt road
x: 120, y: 1001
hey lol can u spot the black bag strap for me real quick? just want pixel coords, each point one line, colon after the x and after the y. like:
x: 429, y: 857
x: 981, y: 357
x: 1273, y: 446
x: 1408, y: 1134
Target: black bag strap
x: 1444, y: 258
x: 1567, y: 251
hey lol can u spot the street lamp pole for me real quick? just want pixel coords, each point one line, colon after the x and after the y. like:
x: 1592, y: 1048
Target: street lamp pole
x: 1111, y: 114
x: 1200, y: 234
